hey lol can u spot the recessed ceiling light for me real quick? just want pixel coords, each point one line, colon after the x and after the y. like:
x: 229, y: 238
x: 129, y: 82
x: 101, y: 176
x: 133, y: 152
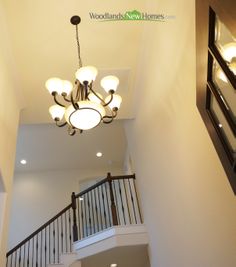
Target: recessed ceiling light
x: 99, y: 154
x: 23, y: 161
x: 113, y: 265
x: 220, y: 125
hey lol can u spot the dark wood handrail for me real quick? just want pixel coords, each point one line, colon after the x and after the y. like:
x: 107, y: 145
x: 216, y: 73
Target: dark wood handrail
x: 120, y: 177
x: 105, y: 199
x: 38, y: 230
x: 91, y: 188
x: 123, y: 177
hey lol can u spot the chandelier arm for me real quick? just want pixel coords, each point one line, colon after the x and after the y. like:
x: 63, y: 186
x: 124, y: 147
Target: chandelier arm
x: 60, y: 125
x: 86, y: 87
x: 75, y: 105
x: 103, y: 102
x: 66, y: 99
x: 110, y: 118
x: 71, y: 130
x: 56, y: 101
x: 78, y: 46
x: 107, y: 121
x: 77, y: 97
x: 82, y: 92
x: 106, y: 104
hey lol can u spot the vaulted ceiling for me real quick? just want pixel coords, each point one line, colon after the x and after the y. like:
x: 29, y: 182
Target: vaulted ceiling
x: 43, y: 45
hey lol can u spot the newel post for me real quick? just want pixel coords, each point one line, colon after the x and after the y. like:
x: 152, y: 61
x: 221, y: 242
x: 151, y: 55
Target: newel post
x: 75, y: 228
x: 113, y: 205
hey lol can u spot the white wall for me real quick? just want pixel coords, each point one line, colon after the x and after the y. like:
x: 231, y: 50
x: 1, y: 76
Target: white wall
x: 189, y: 207
x: 38, y: 196
x: 9, y: 115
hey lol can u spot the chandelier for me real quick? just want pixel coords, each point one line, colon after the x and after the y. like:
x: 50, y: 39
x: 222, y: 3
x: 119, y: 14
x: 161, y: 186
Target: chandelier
x: 80, y: 107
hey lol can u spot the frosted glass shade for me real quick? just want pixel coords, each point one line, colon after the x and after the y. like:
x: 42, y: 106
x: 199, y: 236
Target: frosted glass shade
x: 54, y: 85
x: 92, y: 97
x: 87, y: 73
x: 57, y: 112
x: 87, y: 116
x: 109, y: 83
x: 67, y: 87
x: 70, y: 109
x: 116, y: 101
x: 229, y: 51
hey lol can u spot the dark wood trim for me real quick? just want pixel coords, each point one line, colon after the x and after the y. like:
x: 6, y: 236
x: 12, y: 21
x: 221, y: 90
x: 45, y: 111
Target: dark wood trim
x: 120, y: 177
x: 74, y: 207
x: 214, y: 50
x: 225, y: 10
x: 102, y: 199
x: 38, y: 230
x: 218, y: 130
x: 91, y: 188
x: 226, y: 113
x: 113, y: 205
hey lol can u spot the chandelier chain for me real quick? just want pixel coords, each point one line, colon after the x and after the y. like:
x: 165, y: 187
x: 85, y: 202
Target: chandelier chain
x: 78, y: 46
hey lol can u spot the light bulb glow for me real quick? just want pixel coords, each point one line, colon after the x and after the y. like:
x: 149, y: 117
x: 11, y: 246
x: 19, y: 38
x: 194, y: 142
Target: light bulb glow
x: 23, y: 161
x: 116, y: 101
x: 69, y: 110
x: 229, y: 51
x: 87, y: 116
x: 54, y: 85
x: 87, y: 73
x: 67, y: 87
x: 99, y: 154
x: 57, y: 112
x: 109, y: 83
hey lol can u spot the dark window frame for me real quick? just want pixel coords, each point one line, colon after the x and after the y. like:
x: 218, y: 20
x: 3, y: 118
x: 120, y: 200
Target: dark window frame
x: 207, y: 51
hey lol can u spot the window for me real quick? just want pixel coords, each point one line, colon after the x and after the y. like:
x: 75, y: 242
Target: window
x: 216, y: 94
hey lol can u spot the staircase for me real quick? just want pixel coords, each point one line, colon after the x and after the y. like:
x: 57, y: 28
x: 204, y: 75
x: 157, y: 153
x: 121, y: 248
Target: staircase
x: 112, y: 201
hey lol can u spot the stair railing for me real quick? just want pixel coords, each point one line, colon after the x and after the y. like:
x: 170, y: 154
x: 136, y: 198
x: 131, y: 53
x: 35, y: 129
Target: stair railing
x: 46, y: 244
x: 112, y: 201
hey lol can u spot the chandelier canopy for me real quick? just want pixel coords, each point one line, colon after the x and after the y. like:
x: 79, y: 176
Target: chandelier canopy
x: 80, y: 107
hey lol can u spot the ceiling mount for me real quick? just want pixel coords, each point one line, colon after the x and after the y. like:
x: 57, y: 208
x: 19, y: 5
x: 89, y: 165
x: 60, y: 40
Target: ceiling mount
x: 75, y: 20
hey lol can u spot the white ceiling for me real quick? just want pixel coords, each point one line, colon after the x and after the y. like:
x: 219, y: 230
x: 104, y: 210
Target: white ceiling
x: 46, y: 147
x: 43, y: 46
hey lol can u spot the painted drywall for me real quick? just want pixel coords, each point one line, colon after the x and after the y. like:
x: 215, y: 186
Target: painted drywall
x: 34, y: 190
x: 9, y: 115
x: 188, y: 205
